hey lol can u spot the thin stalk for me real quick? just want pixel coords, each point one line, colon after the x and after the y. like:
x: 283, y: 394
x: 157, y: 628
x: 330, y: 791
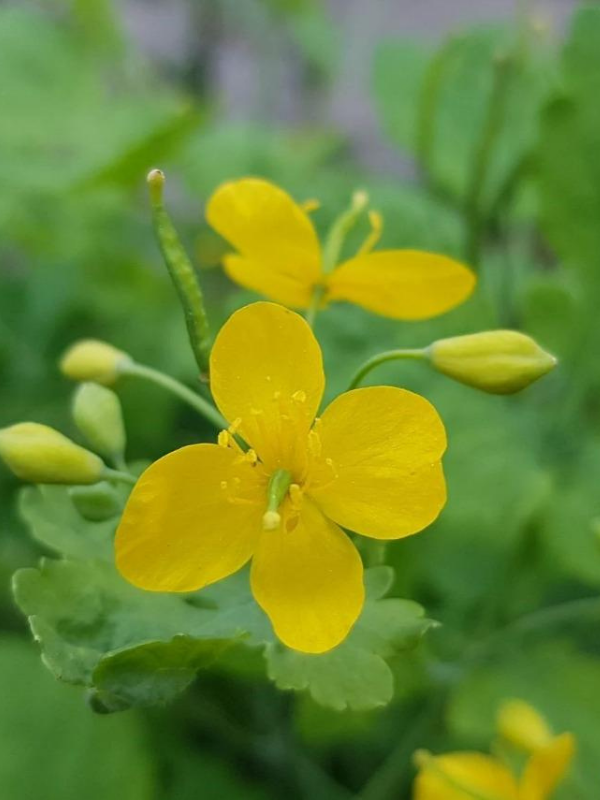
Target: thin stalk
x: 120, y: 477
x: 475, y: 195
x: 382, y: 358
x: 179, y: 389
x: 315, y: 305
x: 428, y: 106
x: 559, y: 614
x: 182, y: 273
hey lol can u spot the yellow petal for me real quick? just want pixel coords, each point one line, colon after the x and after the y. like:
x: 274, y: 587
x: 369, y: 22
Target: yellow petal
x: 279, y: 284
x: 267, y: 379
x: 546, y: 768
x: 522, y: 726
x: 275, y: 236
x: 402, y: 284
x: 193, y: 518
x: 308, y: 580
x: 384, y: 477
x: 464, y: 776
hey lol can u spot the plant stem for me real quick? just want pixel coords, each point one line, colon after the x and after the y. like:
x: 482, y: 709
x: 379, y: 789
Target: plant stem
x: 475, y: 193
x: 428, y: 106
x: 313, y: 309
x: 543, y: 618
x: 182, y: 273
x: 382, y: 358
x: 121, y: 477
x: 179, y: 389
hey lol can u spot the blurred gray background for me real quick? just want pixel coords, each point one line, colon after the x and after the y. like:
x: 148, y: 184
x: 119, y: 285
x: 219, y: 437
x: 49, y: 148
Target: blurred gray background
x: 241, y: 48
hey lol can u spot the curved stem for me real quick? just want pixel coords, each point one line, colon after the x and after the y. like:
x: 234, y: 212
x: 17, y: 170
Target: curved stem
x: 340, y: 229
x: 475, y: 215
x: 179, y: 389
x: 542, y: 618
x: 315, y: 303
x: 121, y: 477
x: 382, y: 358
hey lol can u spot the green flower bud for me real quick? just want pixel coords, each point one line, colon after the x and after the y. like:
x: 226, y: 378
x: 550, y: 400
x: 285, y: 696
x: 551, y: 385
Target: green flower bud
x: 39, y: 454
x: 96, y: 503
x: 97, y: 414
x: 498, y: 362
x: 91, y: 360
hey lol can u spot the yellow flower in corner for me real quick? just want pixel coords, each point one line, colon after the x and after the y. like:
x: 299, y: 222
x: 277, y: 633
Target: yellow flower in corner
x: 475, y: 776
x: 371, y: 463
x: 279, y: 255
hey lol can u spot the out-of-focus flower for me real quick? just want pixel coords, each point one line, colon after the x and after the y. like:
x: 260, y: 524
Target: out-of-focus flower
x: 279, y: 255
x: 470, y: 775
x: 371, y: 463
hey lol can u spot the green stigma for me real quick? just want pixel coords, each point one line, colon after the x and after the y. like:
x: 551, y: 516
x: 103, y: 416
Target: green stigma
x: 277, y: 489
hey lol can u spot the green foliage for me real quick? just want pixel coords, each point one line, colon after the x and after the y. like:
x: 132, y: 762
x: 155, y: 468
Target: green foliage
x: 76, y: 754
x: 501, y: 125
x: 132, y: 647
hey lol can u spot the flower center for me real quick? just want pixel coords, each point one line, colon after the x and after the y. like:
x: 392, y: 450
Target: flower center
x: 277, y: 489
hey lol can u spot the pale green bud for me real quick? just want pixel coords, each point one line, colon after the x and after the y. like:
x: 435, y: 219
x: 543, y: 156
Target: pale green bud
x: 39, y: 454
x: 96, y: 503
x: 498, y: 362
x: 92, y: 360
x: 97, y: 414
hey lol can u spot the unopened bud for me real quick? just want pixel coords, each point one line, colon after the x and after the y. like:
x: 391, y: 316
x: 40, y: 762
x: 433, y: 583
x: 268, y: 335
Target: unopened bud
x: 96, y: 503
x: 522, y: 726
x: 39, y: 454
x: 498, y: 362
x: 97, y: 414
x: 92, y: 360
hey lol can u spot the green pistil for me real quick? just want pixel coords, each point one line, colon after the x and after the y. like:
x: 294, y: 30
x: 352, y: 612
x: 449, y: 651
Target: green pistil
x: 277, y: 490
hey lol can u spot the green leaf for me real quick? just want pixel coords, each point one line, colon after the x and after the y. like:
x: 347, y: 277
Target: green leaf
x: 132, y: 647
x: 438, y: 107
x: 568, y: 160
x: 53, y: 747
x: 355, y: 674
x: 55, y: 523
x: 82, y: 610
x: 153, y: 673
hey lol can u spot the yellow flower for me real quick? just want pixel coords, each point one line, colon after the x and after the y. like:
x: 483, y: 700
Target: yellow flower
x: 475, y: 776
x: 279, y: 255
x: 371, y: 463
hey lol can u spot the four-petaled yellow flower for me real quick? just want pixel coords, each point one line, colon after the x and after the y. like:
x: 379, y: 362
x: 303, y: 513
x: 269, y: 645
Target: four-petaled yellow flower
x: 476, y: 776
x: 371, y: 463
x: 279, y: 256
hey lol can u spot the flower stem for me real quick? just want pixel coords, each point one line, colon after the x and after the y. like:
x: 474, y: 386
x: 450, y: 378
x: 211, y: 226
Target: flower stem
x: 175, y: 387
x: 182, y: 273
x: 475, y: 215
x: 121, y: 477
x: 315, y: 304
x: 382, y: 358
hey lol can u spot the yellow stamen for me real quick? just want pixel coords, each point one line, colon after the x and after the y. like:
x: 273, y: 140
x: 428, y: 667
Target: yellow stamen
x: 376, y: 222
x: 310, y: 205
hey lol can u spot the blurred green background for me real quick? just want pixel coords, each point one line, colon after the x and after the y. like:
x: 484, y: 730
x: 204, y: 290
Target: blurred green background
x: 475, y: 128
